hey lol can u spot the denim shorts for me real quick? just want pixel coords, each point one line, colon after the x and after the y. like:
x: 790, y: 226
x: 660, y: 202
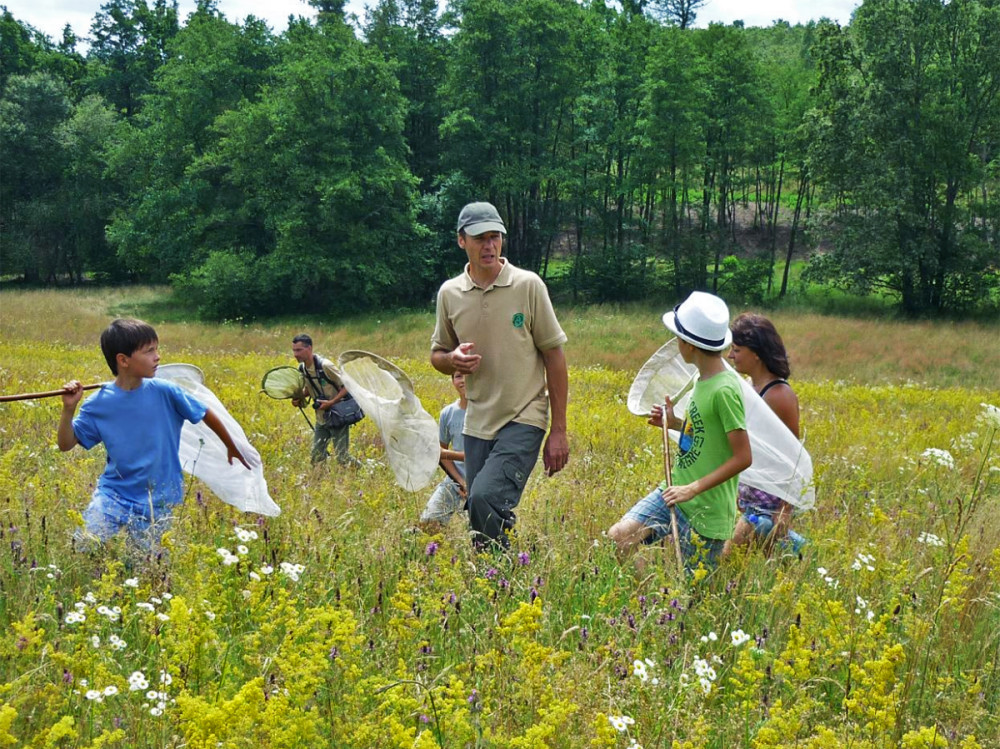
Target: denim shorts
x: 106, y: 515
x: 652, y: 512
x: 444, y: 503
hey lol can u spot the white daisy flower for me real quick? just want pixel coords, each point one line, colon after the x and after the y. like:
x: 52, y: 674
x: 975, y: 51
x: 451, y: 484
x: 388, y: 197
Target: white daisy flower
x: 639, y: 669
x: 739, y: 637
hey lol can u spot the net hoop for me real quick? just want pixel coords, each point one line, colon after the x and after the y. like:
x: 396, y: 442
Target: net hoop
x: 180, y: 371
x: 665, y: 373
x: 282, y: 382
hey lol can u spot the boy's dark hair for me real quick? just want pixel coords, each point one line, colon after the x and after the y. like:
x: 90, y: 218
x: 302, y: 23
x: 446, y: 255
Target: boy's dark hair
x: 124, y: 336
x: 303, y: 339
x: 758, y: 334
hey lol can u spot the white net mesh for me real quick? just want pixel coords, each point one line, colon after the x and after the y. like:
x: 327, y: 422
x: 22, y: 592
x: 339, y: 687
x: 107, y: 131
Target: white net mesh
x: 666, y: 373
x: 781, y: 464
x: 410, y: 433
x: 203, y: 455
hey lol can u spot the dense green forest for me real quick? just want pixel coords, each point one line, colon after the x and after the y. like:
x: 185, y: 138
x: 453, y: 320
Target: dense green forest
x: 320, y: 169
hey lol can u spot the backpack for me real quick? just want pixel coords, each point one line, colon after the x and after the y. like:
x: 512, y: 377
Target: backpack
x: 344, y: 412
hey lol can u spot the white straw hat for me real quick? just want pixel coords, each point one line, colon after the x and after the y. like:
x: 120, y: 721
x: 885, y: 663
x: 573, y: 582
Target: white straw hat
x: 702, y: 320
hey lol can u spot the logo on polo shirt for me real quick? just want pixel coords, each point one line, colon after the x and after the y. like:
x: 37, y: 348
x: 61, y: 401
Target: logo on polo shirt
x: 518, y: 319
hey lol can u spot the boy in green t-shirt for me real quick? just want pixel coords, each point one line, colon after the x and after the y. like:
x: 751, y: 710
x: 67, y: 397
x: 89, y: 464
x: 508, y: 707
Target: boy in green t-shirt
x: 714, y: 447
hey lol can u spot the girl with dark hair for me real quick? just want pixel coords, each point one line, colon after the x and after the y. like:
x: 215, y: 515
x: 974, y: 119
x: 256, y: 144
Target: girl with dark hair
x: 759, y: 353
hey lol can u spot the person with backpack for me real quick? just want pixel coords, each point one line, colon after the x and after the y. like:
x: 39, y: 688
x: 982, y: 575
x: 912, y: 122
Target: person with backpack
x: 335, y: 409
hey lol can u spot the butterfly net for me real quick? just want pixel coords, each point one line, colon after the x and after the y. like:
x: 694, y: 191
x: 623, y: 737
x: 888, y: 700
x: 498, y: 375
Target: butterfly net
x: 781, y: 464
x: 666, y: 373
x: 203, y: 455
x: 386, y: 394
x: 282, y: 382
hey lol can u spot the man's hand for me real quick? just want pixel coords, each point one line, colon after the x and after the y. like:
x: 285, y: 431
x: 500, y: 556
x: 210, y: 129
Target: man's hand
x: 464, y: 359
x: 555, y: 456
x: 297, y: 402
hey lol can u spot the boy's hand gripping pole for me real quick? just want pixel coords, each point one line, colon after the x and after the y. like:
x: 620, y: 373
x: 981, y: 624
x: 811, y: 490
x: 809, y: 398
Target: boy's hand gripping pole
x: 673, y: 510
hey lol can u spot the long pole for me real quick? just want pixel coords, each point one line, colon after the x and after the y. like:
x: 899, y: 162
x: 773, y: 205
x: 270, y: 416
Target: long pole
x: 46, y: 394
x: 303, y: 412
x: 670, y: 482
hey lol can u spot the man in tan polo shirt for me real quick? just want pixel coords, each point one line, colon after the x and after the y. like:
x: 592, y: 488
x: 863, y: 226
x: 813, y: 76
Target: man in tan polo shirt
x: 495, y: 324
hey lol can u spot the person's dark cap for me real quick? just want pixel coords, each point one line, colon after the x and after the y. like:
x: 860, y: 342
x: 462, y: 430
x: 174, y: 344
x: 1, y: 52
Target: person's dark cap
x: 480, y: 218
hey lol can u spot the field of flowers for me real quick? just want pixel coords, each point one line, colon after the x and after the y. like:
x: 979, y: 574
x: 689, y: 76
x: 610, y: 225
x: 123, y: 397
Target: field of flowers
x: 338, y: 625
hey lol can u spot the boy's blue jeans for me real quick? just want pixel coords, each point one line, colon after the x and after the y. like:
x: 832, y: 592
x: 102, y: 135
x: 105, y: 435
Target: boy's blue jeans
x: 106, y: 515
x: 653, y: 513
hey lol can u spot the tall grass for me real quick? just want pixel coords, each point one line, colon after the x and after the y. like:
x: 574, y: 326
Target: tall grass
x: 884, y: 633
x: 854, y: 350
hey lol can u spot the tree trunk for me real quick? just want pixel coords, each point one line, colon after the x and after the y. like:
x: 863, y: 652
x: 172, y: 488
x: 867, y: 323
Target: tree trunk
x: 774, y: 224
x: 799, y: 200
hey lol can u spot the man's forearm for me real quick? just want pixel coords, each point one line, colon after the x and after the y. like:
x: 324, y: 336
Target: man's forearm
x: 557, y: 379
x: 441, y: 361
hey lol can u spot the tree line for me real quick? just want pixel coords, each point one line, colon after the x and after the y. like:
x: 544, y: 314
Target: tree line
x: 321, y: 169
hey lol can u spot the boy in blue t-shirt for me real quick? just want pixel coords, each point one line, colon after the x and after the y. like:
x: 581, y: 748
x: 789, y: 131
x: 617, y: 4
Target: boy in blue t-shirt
x: 139, y: 420
x: 449, y: 496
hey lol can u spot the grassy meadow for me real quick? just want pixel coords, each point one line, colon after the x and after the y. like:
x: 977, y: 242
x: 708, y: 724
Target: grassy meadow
x: 339, y: 626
